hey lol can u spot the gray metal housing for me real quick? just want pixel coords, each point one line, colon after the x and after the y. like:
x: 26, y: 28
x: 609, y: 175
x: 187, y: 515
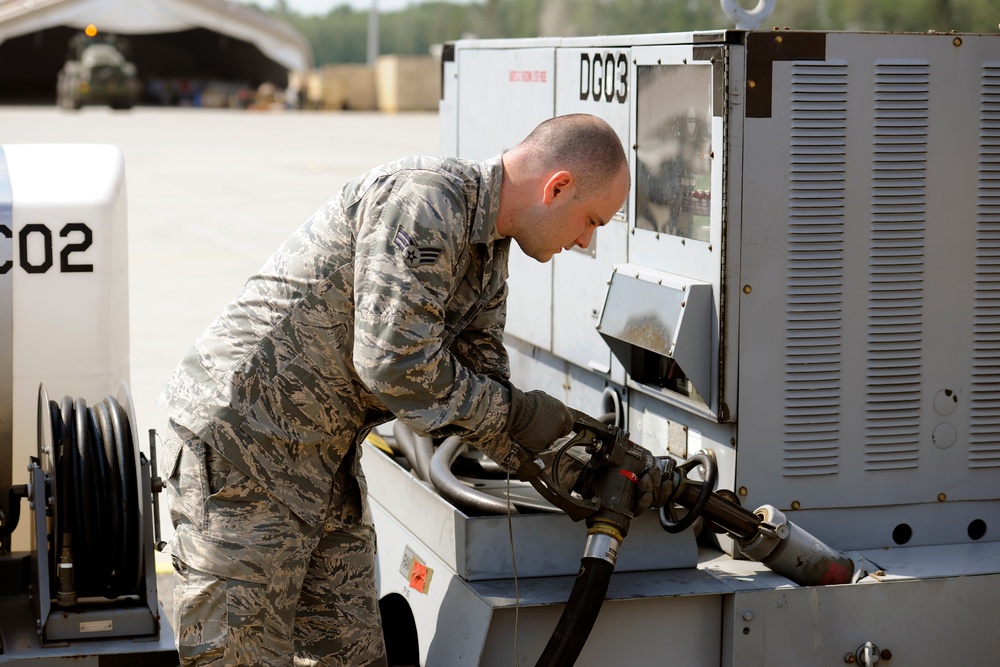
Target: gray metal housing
x: 845, y: 366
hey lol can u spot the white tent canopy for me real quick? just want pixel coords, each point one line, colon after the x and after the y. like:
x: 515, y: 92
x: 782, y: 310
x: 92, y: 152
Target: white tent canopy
x: 275, y: 39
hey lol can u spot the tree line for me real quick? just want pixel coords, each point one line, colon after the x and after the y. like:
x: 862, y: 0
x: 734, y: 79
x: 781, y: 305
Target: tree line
x: 341, y: 35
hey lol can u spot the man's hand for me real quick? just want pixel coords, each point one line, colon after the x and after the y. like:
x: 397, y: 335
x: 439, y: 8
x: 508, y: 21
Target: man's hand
x: 536, y: 419
x: 654, y: 490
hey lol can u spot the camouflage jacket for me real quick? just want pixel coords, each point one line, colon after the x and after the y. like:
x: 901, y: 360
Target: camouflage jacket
x: 389, y: 300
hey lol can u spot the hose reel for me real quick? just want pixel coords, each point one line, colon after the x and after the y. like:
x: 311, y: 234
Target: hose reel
x: 91, y: 461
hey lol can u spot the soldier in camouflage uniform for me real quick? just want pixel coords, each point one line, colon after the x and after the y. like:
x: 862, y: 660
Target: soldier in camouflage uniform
x: 389, y: 301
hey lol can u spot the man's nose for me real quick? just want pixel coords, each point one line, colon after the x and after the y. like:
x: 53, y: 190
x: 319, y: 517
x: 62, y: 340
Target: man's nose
x: 584, y: 239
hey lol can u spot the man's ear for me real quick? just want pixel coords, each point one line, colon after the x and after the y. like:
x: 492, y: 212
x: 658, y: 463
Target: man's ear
x: 559, y: 184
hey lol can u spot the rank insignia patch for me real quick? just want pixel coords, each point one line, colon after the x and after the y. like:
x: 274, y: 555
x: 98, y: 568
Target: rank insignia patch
x: 413, y: 255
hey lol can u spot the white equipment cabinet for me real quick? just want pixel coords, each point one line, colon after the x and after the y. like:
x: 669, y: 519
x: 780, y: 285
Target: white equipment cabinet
x: 805, y: 282
x: 77, y: 576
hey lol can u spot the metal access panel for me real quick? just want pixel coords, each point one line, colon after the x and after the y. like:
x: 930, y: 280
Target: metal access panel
x: 591, y: 79
x: 904, y: 622
x: 868, y: 266
x: 680, y: 136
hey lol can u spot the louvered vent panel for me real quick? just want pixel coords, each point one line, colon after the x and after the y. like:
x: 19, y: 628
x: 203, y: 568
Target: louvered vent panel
x: 984, y: 427
x: 896, y: 269
x: 815, y: 268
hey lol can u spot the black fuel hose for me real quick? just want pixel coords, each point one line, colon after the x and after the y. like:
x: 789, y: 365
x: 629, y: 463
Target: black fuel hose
x: 579, y: 615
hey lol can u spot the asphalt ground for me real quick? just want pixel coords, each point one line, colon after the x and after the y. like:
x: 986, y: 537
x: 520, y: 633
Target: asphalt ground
x: 211, y: 194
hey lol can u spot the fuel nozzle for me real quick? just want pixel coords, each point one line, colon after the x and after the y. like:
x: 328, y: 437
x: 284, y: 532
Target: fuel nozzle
x: 594, y: 475
x: 764, y: 535
x: 599, y: 483
x: 616, y: 490
x: 794, y: 553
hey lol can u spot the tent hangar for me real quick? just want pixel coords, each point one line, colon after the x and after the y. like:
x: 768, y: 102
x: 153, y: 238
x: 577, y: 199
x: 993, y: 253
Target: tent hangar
x: 179, y: 42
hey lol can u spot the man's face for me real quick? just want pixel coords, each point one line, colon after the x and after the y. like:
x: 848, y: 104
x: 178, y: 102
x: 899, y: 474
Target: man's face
x: 568, y: 217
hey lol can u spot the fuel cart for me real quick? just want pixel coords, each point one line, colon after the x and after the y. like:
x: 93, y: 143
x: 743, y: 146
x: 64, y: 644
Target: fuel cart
x: 798, y: 309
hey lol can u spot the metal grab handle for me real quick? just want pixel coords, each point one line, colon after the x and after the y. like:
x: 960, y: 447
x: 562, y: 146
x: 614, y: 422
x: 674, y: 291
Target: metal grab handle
x: 748, y: 19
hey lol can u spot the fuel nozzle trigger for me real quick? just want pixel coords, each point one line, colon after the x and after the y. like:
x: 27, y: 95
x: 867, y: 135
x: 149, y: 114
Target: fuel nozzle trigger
x: 595, y: 470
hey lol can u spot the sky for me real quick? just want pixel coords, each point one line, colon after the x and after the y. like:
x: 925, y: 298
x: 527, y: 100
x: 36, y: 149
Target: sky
x: 323, y: 6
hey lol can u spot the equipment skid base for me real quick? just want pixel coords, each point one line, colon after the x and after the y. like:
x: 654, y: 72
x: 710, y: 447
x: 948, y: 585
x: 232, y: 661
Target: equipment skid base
x: 21, y: 644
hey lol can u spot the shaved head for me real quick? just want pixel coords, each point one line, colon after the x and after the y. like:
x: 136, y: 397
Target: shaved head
x: 568, y: 178
x: 580, y: 143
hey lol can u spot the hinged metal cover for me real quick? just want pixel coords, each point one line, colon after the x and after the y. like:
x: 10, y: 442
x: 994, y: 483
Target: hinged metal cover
x: 662, y: 313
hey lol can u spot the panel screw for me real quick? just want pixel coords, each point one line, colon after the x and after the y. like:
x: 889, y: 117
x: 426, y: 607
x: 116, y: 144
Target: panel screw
x: 751, y: 84
x: 743, y: 491
x: 747, y: 616
x: 849, y: 657
x: 942, y: 497
x: 957, y: 41
x: 886, y: 654
x: 778, y: 39
x: 796, y: 505
x: 747, y: 289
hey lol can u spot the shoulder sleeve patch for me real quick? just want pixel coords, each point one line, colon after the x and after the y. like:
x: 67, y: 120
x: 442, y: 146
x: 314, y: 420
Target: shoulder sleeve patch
x: 414, y: 255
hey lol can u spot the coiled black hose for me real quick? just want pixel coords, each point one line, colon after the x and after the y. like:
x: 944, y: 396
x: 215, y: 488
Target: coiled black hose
x: 96, y: 495
x: 579, y: 615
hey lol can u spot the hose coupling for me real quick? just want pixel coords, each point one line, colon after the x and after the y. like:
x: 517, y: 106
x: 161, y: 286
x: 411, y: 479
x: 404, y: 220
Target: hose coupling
x: 603, y: 541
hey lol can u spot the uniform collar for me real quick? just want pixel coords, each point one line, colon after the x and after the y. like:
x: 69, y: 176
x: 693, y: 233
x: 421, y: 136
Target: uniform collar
x: 484, y: 229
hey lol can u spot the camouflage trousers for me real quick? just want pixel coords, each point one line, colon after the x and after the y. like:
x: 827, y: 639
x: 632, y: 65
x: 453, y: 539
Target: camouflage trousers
x: 253, y: 583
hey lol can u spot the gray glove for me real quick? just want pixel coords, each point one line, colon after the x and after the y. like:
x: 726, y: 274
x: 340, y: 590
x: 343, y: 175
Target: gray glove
x: 654, y: 490
x: 536, y: 419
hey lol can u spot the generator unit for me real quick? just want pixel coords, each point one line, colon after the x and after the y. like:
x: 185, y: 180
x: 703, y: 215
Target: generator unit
x: 77, y: 571
x: 803, y: 286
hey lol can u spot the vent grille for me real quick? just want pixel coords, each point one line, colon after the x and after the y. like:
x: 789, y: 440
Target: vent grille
x: 815, y: 271
x: 984, y: 427
x: 896, y: 265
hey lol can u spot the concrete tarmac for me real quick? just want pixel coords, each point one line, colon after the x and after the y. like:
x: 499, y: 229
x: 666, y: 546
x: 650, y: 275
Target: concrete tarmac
x: 211, y: 194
